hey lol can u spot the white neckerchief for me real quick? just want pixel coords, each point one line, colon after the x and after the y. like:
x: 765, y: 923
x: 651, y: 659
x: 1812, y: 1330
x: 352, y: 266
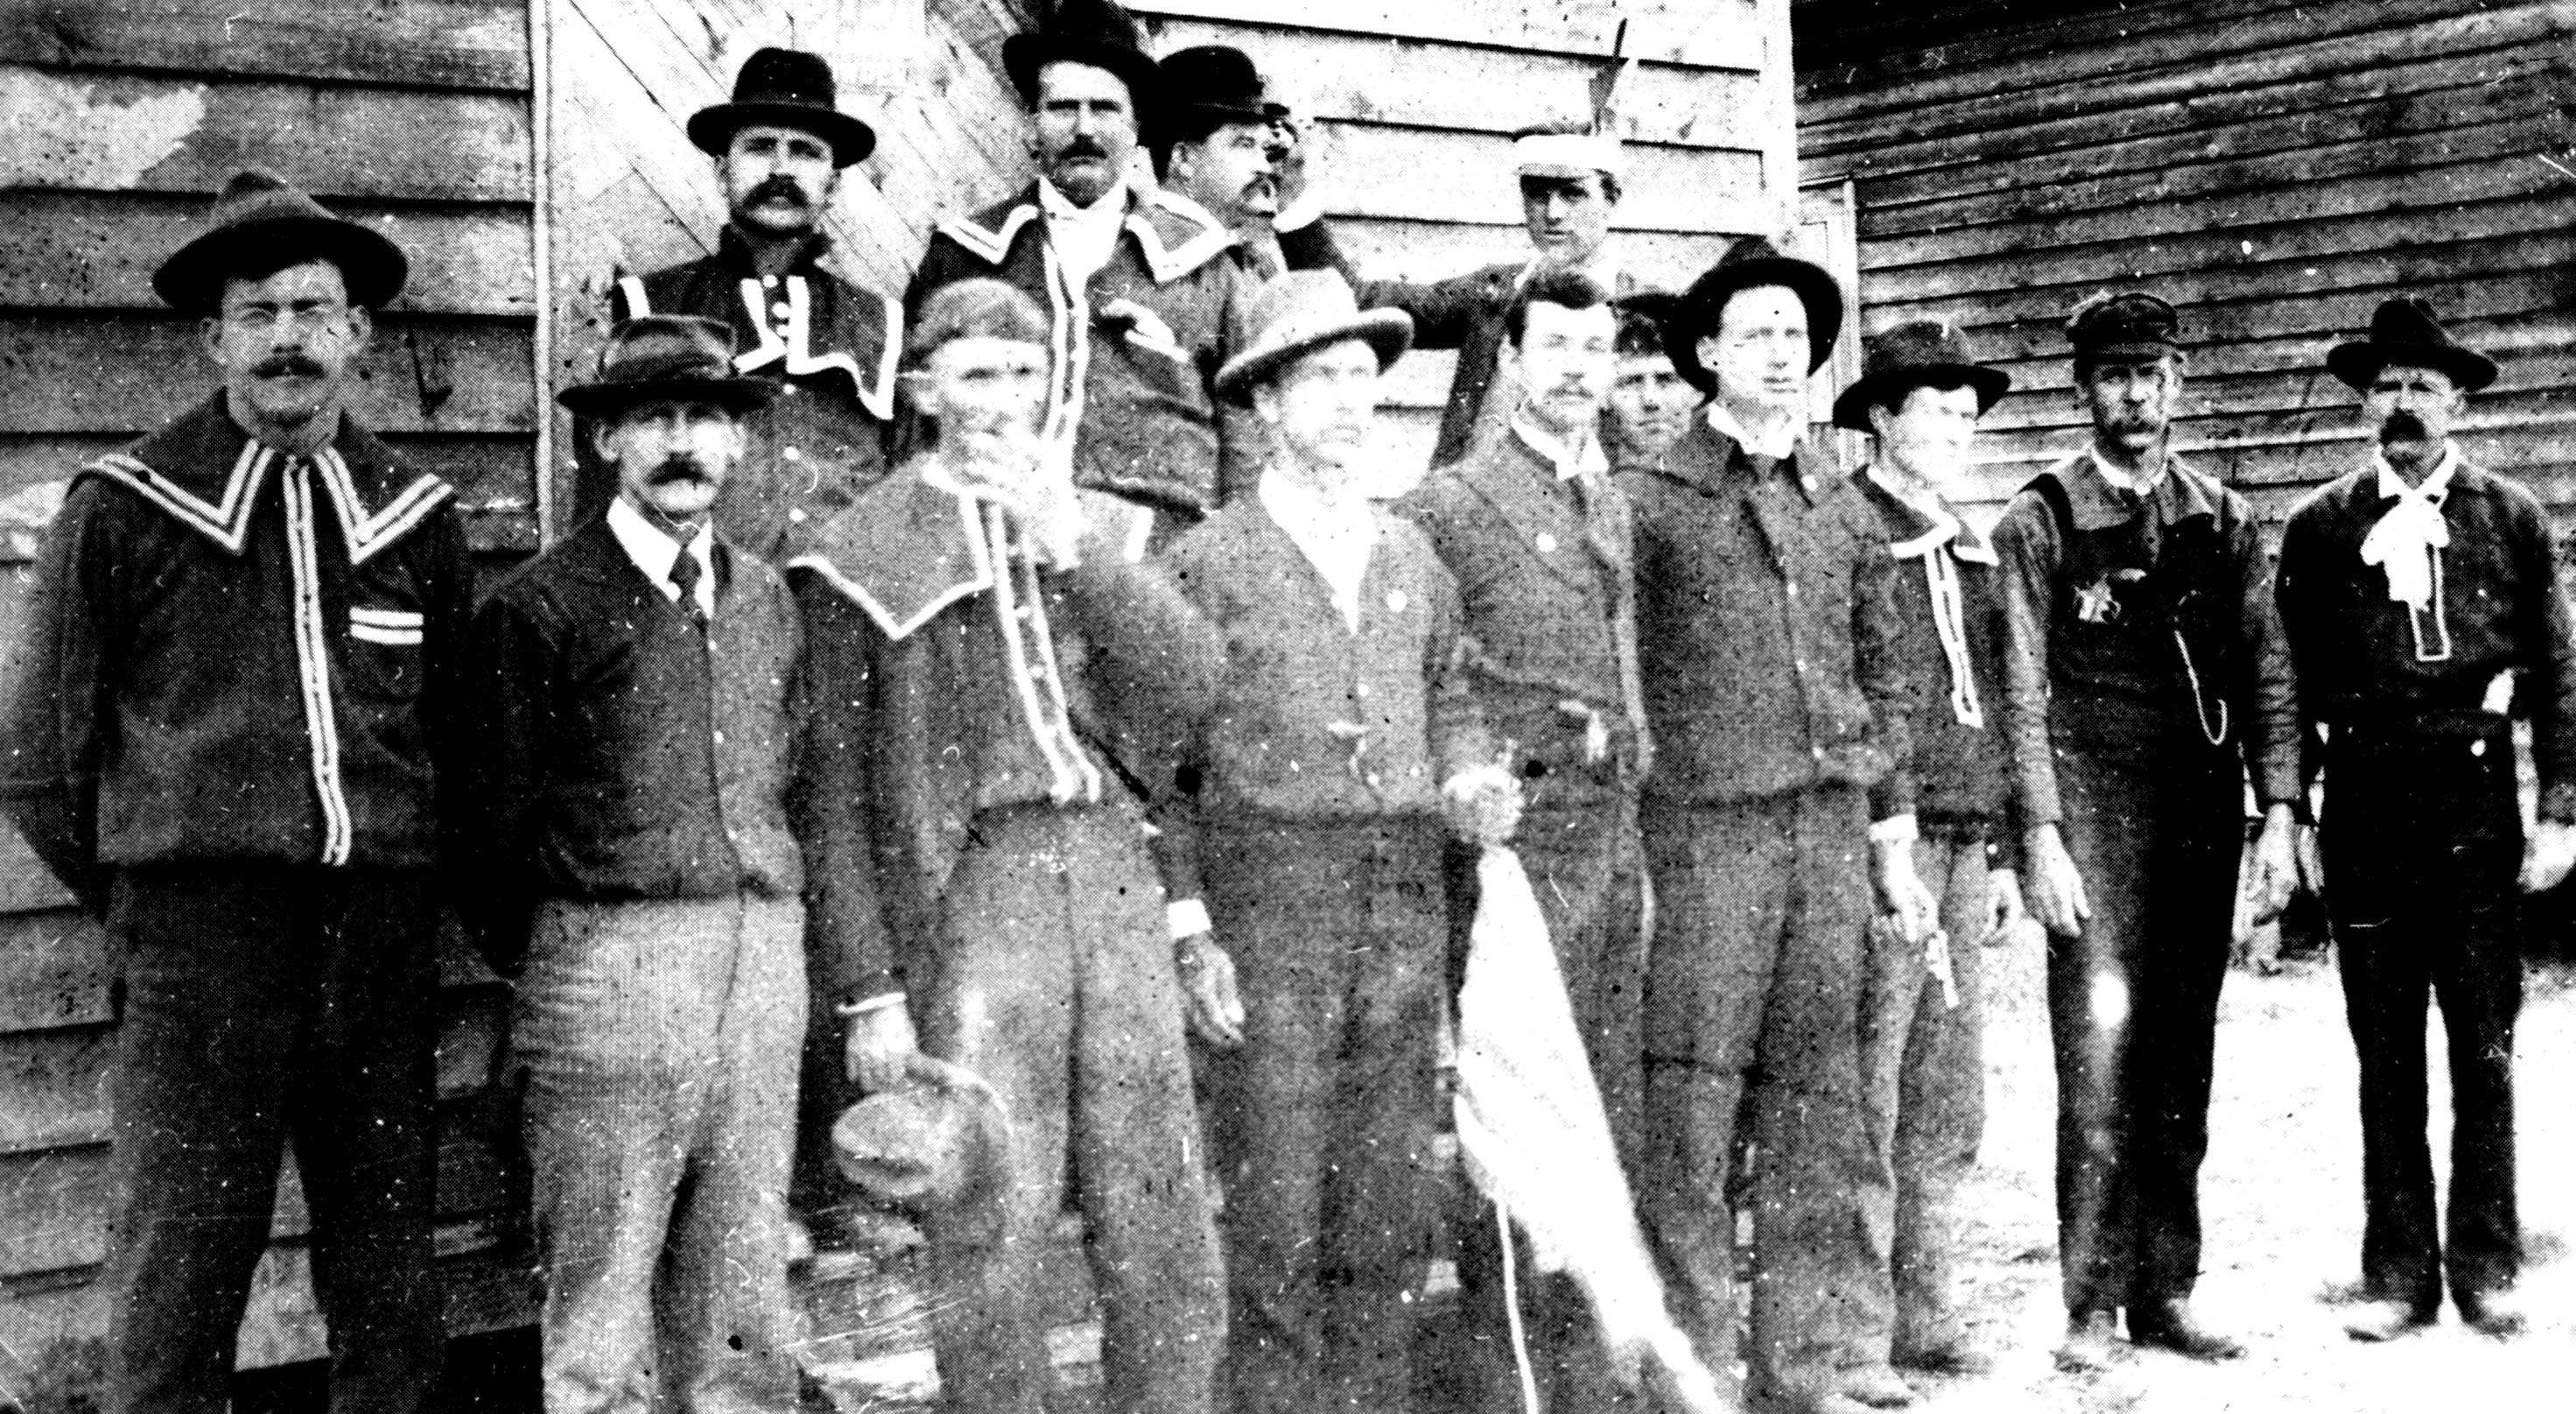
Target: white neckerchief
x: 655, y: 552
x: 1777, y: 446
x: 2407, y: 542
x: 1083, y: 236
x: 1583, y: 459
x: 1336, y: 538
x: 1938, y: 549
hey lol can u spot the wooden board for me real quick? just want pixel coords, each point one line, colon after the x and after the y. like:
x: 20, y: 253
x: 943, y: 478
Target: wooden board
x: 54, y: 971
x: 1430, y: 175
x: 1382, y: 248
x: 441, y: 43
x: 1704, y: 32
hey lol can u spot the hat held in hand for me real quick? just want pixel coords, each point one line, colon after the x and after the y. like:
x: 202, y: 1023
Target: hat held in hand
x: 937, y: 1144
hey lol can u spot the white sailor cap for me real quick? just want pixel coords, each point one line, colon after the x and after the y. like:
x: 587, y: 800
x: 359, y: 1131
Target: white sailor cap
x: 1567, y: 151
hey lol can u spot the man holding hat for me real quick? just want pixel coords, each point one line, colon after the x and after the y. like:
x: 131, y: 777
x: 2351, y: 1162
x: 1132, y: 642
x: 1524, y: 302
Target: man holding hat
x: 1139, y: 286
x: 1920, y: 393
x: 1317, y: 783
x: 780, y: 147
x: 2144, y: 677
x: 2423, y: 606
x: 1217, y: 143
x: 979, y: 634
x: 233, y: 731
x: 1569, y: 178
x: 639, y: 751
x: 1779, y: 820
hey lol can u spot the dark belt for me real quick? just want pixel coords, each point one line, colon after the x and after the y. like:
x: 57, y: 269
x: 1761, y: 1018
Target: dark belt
x: 2428, y: 724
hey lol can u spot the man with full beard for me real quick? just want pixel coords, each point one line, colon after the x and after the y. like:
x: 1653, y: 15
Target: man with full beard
x: 2144, y: 677
x: 780, y: 147
x: 2422, y: 601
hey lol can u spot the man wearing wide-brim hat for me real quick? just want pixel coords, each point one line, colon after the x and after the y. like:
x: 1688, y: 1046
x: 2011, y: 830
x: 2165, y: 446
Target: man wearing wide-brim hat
x: 1779, y: 821
x: 2424, y: 611
x: 1920, y: 394
x: 233, y: 733
x: 636, y: 746
x: 1141, y: 285
x: 2145, y: 682
x: 1343, y: 748
x: 780, y: 147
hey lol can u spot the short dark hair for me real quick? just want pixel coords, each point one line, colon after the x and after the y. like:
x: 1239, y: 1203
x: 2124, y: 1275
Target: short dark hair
x: 1639, y: 335
x: 1609, y: 184
x: 1571, y: 289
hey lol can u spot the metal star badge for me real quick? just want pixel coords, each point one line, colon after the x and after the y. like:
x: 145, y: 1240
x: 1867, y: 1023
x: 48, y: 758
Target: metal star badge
x: 2096, y: 604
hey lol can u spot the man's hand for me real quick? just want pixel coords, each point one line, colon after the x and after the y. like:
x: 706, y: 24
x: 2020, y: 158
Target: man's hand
x: 2547, y: 855
x: 2276, y: 864
x: 2312, y: 860
x: 1900, y: 894
x: 2056, y: 891
x: 879, y: 1046
x: 1484, y: 804
x: 1207, y: 983
x: 2003, y: 908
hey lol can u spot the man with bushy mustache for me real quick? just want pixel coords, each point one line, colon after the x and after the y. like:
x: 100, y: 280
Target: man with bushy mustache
x: 2422, y: 601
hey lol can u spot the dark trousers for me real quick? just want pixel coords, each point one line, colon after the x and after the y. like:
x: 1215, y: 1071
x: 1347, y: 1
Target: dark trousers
x: 2423, y: 840
x: 263, y: 1003
x: 2133, y: 1014
x: 1586, y: 865
x: 1762, y: 907
x: 1054, y: 982
x: 1325, y: 1116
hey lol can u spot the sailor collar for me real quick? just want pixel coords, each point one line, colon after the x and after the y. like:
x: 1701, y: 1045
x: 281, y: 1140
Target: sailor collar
x: 1173, y: 234
x: 1926, y: 528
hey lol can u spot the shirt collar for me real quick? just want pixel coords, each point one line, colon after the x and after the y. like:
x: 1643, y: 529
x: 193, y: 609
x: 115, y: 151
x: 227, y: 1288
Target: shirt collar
x: 1109, y: 210
x: 1570, y: 462
x: 1779, y: 446
x: 2435, y: 486
x: 655, y: 552
x: 2119, y: 480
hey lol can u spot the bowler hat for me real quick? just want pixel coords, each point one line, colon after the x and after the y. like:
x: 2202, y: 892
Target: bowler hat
x: 792, y: 89
x: 260, y: 223
x: 1215, y: 83
x: 1096, y: 32
x: 1750, y: 263
x: 2124, y: 324
x: 2405, y: 331
x: 1305, y: 310
x: 1918, y: 353
x: 939, y: 1143
x: 666, y: 357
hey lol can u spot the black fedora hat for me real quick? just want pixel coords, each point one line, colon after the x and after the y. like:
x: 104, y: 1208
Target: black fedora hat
x: 257, y: 219
x: 1918, y: 353
x: 1211, y: 81
x: 792, y: 89
x: 2405, y: 331
x: 1751, y: 263
x: 1096, y: 32
x: 666, y: 356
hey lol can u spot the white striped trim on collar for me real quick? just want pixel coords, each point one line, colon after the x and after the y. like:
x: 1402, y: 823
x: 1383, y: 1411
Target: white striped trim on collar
x: 990, y: 246
x: 227, y: 522
x: 1162, y: 263
x: 895, y: 630
x: 797, y: 348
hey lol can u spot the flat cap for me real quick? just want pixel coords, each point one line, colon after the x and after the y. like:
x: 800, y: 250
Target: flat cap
x: 2124, y: 324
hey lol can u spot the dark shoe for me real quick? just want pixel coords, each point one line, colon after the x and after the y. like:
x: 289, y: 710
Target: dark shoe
x: 2092, y: 1342
x: 1876, y: 1386
x: 1958, y: 1357
x: 2493, y: 1314
x: 2377, y: 1321
x: 2168, y: 1325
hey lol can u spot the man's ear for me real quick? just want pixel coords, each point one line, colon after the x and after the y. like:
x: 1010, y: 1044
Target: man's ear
x: 362, y: 328
x: 210, y: 334
x: 1265, y: 402
x: 601, y: 430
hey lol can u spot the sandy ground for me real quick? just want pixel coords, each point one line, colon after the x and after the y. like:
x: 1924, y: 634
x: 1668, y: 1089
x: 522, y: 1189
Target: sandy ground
x: 2282, y: 1213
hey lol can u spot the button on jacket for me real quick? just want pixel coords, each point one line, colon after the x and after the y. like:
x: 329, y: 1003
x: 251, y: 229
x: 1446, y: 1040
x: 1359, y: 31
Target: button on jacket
x: 1799, y: 681
x: 235, y: 655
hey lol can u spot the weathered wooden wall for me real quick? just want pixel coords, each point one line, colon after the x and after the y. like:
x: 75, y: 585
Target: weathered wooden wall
x: 2274, y: 168
x: 121, y: 118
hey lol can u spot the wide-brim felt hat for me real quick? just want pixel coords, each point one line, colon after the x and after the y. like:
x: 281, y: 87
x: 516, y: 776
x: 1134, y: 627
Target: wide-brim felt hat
x: 256, y: 219
x: 939, y: 1143
x: 1751, y: 263
x: 1299, y: 312
x: 667, y: 357
x: 2406, y: 331
x: 1096, y: 32
x: 1918, y: 353
x: 1214, y: 81
x: 790, y: 89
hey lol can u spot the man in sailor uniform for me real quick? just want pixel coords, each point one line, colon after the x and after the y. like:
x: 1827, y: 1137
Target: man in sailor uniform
x: 780, y: 147
x: 234, y: 726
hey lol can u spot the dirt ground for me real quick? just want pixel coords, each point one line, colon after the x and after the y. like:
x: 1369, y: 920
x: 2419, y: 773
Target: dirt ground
x: 2281, y: 1196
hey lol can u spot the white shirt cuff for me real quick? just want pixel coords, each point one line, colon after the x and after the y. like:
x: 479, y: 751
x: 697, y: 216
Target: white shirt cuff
x: 862, y: 1007
x: 1305, y: 211
x: 1189, y: 918
x: 1894, y: 830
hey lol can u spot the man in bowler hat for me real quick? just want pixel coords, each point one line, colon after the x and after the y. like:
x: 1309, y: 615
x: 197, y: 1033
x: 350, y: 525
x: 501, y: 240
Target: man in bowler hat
x: 780, y: 147
x: 2145, y: 676
x: 234, y: 734
x: 1217, y: 142
x: 2421, y: 597
x: 638, y: 748
x: 1779, y: 821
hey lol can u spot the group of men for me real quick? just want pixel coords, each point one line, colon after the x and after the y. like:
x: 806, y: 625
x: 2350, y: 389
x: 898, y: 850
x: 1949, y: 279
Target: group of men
x: 994, y: 748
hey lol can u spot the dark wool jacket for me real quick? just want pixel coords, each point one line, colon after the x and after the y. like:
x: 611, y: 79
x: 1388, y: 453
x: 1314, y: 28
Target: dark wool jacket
x: 2502, y: 606
x: 1768, y: 628
x: 620, y: 753
x: 232, y: 655
x: 833, y: 348
x: 1962, y: 773
x: 919, y: 725
x: 1135, y: 352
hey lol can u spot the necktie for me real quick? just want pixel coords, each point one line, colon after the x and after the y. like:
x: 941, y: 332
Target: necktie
x: 684, y: 577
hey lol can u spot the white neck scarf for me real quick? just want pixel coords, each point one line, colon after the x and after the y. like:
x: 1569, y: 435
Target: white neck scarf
x: 2409, y: 537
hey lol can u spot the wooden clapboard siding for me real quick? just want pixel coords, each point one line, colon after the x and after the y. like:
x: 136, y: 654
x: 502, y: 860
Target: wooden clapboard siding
x: 123, y: 118
x: 2275, y: 169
